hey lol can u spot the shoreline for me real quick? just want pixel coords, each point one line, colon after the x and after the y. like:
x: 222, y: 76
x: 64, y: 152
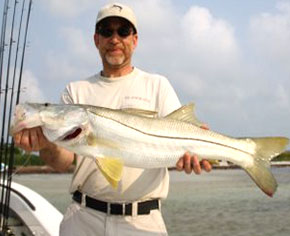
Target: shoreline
x: 49, y: 170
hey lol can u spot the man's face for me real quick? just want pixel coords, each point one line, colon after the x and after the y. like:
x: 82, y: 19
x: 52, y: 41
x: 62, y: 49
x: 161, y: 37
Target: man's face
x: 116, y: 45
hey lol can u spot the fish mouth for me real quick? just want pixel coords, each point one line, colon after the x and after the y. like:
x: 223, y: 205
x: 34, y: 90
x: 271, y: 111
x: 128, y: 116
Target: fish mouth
x: 72, y: 134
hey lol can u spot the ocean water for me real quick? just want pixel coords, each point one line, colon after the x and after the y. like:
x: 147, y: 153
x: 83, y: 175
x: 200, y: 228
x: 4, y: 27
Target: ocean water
x: 219, y: 203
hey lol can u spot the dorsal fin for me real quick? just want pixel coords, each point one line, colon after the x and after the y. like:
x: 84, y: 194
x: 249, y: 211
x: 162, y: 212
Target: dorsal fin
x: 140, y: 112
x: 186, y: 114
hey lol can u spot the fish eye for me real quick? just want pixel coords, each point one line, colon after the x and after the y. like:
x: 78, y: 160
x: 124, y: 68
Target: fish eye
x: 46, y: 104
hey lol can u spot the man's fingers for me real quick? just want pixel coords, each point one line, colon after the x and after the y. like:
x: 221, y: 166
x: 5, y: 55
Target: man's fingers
x: 204, y: 126
x: 180, y: 164
x: 24, y: 141
x: 191, y: 163
x: 206, y: 165
x: 43, y: 142
x: 196, y: 165
x: 30, y: 139
x: 17, y: 138
x: 34, y: 140
x: 187, y: 163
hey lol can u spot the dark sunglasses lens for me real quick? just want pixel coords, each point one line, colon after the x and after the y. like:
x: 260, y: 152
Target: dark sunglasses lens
x: 105, y: 32
x: 124, y: 31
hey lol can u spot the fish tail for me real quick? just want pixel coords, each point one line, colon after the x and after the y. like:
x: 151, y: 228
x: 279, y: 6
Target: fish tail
x: 266, y: 149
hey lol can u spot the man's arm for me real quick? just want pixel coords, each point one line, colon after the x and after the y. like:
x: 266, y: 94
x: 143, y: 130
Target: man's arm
x: 33, y: 140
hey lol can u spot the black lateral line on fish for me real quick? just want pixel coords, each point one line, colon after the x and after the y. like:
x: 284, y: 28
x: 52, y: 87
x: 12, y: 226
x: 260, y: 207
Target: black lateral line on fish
x: 184, y: 138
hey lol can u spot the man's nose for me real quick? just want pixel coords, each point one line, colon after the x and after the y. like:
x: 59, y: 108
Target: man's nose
x: 115, y: 37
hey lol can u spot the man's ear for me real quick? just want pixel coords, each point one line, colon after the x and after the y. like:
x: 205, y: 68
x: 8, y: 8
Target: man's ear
x: 135, y: 40
x: 96, y: 39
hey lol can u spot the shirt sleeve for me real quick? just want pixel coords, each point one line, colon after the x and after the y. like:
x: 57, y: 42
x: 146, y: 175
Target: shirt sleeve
x: 168, y: 100
x: 66, y: 97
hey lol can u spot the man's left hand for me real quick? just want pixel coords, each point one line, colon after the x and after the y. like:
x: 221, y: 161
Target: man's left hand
x: 190, y: 163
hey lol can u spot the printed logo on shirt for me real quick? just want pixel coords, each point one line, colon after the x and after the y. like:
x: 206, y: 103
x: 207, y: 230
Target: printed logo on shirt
x: 138, y: 102
x: 137, y: 98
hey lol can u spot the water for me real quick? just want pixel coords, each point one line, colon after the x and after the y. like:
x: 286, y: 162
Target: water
x: 221, y: 203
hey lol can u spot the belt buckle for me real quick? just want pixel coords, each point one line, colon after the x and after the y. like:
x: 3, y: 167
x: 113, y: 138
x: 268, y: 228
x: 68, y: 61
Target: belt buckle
x: 108, y: 208
x: 134, y: 212
x: 123, y: 209
x: 83, y: 200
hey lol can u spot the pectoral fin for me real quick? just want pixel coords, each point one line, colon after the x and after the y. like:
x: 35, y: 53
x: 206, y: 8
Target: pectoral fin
x: 112, y: 169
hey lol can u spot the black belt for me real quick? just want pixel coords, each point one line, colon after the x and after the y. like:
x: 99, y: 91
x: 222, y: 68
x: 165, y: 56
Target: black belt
x: 143, y: 208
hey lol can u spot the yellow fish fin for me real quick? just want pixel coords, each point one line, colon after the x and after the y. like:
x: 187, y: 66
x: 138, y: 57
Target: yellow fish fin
x: 112, y: 169
x: 186, y: 114
x: 92, y: 140
x: 214, y: 162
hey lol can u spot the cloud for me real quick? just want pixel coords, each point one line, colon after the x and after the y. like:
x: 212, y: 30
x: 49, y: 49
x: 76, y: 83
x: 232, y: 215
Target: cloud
x: 76, y: 58
x: 270, y: 36
x: 31, y: 91
x: 79, y: 45
x: 209, y: 47
x: 207, y: 34
x: 68, y: 8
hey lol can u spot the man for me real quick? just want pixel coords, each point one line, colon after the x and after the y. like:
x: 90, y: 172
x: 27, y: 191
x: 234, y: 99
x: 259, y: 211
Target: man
x: 134, y: 208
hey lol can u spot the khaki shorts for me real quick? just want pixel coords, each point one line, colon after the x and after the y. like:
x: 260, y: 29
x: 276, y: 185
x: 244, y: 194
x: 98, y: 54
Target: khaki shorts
x: 83, y: 221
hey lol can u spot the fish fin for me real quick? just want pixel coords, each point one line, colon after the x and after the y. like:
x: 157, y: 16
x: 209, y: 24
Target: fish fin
x: 266, y: 149
x: 186, y: 114
x: 112, y: 169
x: 214, y: 162
x: 261, y: 174
x: 140, y: 112
x: 93, y: 140
x: 269, y: 147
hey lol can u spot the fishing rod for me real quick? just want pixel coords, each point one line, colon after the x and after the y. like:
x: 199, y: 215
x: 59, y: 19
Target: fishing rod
x: 2, y: 51
x: 11, y: 153
x: 7, y: 145
x: 11, y: 160
x: 4, y: 146
x: 2, y: 40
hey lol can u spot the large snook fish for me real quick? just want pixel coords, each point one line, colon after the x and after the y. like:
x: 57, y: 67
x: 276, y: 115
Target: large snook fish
x: 135, y: 138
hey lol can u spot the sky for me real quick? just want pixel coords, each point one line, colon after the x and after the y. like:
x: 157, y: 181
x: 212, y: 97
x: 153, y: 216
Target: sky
x: 231, y: 58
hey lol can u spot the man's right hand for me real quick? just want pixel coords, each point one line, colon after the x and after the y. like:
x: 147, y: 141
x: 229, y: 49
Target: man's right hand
x: 31, y: 139
x: 34, y: 140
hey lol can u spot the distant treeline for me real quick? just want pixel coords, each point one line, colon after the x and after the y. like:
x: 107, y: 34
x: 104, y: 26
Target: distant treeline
x: 21, y: 158
x: 285, y: 156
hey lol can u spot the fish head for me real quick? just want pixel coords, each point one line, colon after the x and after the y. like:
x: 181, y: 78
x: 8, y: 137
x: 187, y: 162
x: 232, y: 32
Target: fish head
x: 60, y: 123
x: 25, y: 116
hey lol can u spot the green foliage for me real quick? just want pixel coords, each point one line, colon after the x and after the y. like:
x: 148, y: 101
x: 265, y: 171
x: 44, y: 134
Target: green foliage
x: 285, y: 156
x: 28, y: 160
x: 21, y: 158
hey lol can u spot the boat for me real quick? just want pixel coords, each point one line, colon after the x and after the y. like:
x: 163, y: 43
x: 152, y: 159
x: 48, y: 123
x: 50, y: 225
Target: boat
x: 30, y: 214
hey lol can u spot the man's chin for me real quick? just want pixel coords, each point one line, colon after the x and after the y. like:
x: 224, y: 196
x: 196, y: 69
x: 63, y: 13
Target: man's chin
x: 115, y: 61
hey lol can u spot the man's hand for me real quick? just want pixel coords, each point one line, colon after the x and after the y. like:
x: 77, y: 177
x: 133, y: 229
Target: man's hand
x: 31, y: 139
x: 189, y: 163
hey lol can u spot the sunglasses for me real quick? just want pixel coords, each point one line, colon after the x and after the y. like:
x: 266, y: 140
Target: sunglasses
x: 123, y: 31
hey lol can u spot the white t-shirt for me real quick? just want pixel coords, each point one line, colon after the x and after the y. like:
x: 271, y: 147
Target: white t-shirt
x: 136, y: 90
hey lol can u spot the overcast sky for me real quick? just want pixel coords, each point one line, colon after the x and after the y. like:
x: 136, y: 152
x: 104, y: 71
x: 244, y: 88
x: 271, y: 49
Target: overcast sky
x: 232, y: 58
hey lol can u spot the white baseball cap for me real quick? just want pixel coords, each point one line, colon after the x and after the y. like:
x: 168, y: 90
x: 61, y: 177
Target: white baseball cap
x: 117, y: 10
